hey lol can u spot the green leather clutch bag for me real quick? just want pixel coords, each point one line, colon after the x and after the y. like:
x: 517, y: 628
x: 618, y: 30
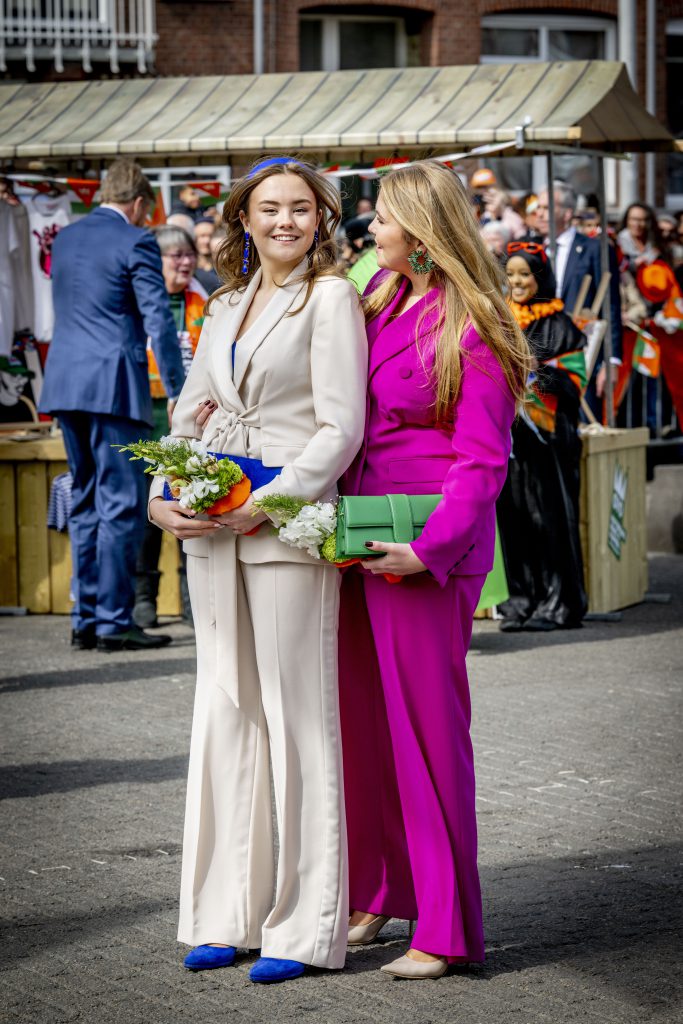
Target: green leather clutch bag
x: 393, y: 518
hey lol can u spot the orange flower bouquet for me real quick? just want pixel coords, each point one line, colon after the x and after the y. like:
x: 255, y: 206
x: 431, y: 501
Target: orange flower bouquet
x: 196, y: 478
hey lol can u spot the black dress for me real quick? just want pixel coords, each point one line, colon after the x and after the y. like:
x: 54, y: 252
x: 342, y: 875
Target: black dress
x: 538, y: 509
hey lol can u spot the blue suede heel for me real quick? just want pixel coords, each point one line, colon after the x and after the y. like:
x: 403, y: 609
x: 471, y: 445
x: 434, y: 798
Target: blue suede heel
x: 205, y: 958
x: 269, y: 969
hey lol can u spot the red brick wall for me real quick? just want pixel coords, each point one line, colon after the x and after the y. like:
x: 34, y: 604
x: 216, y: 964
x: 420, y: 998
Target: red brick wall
x: 212, y: 37
x: 215, y: 36
x: 449, y: 33
x: 598, y: 7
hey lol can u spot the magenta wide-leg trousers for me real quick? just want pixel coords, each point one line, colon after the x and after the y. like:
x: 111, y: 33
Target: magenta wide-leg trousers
x: 408, y: 763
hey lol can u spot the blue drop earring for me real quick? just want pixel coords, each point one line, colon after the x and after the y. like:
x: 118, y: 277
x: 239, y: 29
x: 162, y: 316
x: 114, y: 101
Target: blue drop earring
x: 315, y: 239
x: 245, y: 253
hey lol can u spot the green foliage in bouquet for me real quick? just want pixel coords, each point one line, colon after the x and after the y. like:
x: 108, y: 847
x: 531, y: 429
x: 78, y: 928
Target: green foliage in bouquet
x: 197, y: 478
x: 281, y: 506
x: 309, y: 525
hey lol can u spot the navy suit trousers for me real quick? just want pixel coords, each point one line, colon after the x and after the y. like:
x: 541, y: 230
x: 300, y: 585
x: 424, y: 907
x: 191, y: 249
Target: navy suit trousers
x: 107, y: 518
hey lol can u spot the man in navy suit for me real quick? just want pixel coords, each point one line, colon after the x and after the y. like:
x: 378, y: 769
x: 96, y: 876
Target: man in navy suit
x: 109, y: 297
x: 575, y: 256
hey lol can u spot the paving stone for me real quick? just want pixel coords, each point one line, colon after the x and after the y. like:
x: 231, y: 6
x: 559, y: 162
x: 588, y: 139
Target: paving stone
x: 578, y: 744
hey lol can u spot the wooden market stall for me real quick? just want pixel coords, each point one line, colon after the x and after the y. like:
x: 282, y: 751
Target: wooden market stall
x: 329, y: 116
x: 35, y: 562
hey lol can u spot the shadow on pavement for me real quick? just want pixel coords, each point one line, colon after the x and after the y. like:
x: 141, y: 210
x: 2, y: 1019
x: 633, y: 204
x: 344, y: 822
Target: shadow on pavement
x: 644, y: 620
x: 104, y: 670
x: 615, y: 918
x: 611, y: 919
x: 19, y: 781
x: 32, y: 936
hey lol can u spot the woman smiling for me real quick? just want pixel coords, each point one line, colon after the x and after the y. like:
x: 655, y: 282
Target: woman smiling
x: 278, y: 381
x: 447, y: 362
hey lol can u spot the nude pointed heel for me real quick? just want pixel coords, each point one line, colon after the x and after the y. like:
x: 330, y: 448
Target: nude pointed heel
x: 405, y: 967
x: 364, y: 934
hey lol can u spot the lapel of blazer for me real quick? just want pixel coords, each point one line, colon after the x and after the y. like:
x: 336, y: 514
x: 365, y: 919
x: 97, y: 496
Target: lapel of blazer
x: 223, y: 331
x: 393, y: 336
x: 278, y: 305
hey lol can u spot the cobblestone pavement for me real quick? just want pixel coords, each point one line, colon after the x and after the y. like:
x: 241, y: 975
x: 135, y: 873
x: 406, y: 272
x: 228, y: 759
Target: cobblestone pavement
x: 577, y: 738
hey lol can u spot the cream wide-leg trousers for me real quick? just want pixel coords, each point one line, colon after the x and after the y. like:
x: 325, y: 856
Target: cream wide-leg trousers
x: 288, y: 712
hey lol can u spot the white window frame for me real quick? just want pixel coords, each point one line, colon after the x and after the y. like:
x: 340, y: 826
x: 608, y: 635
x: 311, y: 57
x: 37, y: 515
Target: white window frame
x: 674, y: 200
x: 544, y: 23
x: 168, y: 178
x: 330, y: 36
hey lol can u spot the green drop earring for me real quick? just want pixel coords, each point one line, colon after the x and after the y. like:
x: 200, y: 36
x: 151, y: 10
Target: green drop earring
x: 421, y: 262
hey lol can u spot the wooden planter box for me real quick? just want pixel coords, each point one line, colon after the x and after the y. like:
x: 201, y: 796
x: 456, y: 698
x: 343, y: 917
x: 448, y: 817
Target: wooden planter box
x: 613, y: 523
x: 35, y: 563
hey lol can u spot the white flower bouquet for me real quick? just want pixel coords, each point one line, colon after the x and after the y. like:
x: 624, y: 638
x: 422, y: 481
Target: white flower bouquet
x: 309, y: 525
x: 198, y: 479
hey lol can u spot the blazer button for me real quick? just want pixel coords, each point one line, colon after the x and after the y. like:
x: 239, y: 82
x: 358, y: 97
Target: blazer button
x: 405, y: 372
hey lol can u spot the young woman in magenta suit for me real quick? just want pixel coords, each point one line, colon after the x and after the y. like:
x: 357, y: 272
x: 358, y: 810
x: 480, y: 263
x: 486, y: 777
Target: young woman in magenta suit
x: 279, y: 376
x: 447, y: 365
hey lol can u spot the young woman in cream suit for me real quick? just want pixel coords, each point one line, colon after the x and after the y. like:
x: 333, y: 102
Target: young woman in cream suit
x: 278, y: 376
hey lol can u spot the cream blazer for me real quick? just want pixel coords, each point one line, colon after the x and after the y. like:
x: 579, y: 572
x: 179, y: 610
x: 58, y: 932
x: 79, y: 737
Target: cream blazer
x: 295, y: 399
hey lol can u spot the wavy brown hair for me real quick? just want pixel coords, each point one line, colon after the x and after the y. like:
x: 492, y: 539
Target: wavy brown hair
x: 431, y: 205
x: 322, y: 258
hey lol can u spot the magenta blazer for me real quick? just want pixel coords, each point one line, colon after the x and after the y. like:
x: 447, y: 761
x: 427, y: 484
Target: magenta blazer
x: 405, y: 451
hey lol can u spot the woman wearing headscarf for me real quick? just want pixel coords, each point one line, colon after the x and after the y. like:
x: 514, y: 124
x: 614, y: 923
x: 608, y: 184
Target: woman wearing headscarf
x: 538, y: 509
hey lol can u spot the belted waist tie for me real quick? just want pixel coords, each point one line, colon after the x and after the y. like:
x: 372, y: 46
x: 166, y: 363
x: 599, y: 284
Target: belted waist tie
x: 228, y: 430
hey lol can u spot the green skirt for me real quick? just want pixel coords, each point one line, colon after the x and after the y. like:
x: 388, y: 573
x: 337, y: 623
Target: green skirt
x: 495, y: 586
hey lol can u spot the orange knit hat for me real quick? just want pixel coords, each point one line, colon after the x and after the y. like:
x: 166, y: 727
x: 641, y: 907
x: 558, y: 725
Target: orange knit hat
x: 483, y: 178
x: 656, y: 282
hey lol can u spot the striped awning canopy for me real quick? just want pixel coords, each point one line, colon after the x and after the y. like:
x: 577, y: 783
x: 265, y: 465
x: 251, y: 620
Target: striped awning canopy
x: 348, y: 115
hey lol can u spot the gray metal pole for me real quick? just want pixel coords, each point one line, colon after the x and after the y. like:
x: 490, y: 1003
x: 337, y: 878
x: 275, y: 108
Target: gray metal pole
x: 628, y: 40
x: 606, y: 307
x: 258, y: 37
x: 552, y: 227
x: 650, y: 91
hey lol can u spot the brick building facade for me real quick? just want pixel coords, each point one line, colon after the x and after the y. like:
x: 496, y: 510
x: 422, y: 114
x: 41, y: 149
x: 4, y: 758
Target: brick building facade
x: 213, y: 37
x: 217, y: 35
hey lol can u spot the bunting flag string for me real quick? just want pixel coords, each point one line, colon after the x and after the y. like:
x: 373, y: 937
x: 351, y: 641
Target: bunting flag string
x: 212, y: 188
x: 84, y: 188
x: 384, y: 164
x: 43, y: 185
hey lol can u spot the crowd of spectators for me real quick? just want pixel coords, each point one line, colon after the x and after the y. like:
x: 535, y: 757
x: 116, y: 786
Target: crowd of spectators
x: 562, y: 278
x: 645, y: 251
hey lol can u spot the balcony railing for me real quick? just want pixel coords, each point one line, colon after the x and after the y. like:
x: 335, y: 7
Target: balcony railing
x: 87, y: 30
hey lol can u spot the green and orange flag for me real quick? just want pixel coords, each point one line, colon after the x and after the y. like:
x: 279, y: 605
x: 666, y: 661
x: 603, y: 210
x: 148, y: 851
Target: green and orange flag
x: 646, y: 354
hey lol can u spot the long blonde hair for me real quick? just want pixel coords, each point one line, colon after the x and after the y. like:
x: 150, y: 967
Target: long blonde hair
x: 322, y: 256
x: 431, y: 205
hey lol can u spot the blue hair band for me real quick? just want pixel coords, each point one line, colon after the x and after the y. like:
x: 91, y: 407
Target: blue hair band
x: 272, y: 162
